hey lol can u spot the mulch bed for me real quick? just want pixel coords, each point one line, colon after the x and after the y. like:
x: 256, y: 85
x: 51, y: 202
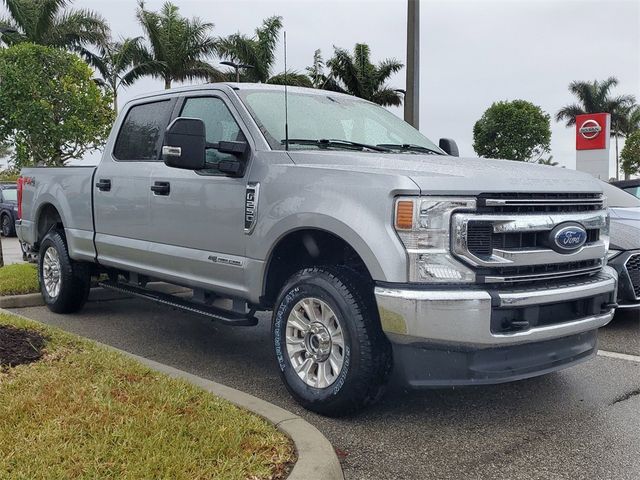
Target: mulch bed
x: 18, y: 346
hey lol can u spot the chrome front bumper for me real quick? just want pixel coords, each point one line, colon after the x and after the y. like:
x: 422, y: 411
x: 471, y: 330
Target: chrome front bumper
x: 463, y: 316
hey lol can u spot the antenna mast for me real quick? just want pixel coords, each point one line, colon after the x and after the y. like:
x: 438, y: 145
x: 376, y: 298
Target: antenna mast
x: 286, y: 104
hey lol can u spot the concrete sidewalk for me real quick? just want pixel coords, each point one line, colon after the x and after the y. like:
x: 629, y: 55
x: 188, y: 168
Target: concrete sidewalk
x: 11, y: 251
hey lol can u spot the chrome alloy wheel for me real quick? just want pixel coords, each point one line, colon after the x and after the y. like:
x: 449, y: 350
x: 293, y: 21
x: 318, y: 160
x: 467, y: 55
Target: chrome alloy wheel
x: 51, y: 274
x: 315, y: 342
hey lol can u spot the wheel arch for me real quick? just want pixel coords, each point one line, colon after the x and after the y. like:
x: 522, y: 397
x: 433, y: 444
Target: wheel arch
x: 47, y: 217
x: 310, y: 246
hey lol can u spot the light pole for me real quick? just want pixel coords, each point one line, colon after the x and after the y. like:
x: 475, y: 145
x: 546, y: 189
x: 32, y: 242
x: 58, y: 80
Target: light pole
x: 236, y: 67
x: 412, y: 96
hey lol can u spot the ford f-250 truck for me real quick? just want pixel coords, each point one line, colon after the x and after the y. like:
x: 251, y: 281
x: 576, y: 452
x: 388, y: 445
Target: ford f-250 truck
x: 372, y: 246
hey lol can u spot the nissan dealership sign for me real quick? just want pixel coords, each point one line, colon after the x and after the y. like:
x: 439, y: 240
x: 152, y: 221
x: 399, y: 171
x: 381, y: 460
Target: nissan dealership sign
x: 592, y: 144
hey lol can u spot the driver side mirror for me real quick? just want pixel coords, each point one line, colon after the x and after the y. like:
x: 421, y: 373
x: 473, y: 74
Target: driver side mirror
x: 449, y: 146
x: 184, y: 144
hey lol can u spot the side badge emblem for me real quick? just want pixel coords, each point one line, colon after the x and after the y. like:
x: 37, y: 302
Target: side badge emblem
x: 251, y: 207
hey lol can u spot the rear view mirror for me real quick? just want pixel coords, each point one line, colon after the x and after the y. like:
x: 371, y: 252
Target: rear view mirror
x: 449, y: 146
x: 184, y: 144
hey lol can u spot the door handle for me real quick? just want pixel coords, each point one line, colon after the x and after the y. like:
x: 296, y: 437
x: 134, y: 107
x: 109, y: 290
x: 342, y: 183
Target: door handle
x: 161, y: 188
x: 104, y: 185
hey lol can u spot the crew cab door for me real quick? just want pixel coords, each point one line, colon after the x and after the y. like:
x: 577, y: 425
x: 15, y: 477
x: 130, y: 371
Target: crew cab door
x: 121, y: 192
x: 197, y: 217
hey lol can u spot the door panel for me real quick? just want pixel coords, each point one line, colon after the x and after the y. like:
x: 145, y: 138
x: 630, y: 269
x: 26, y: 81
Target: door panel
x: 121, y: 187
x: 202, y: 217
x: 122, y: 213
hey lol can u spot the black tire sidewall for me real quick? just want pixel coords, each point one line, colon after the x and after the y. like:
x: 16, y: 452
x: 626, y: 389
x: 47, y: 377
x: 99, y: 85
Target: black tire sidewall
x: 74, y: 278
x: 321, y: 287
x: 6, y: 221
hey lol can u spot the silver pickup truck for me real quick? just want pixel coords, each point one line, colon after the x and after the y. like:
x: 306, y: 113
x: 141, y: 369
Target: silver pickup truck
x: 376, y: 250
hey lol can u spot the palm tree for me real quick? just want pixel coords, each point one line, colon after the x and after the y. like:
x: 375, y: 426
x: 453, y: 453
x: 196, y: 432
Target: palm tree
x: 317, y: 76
x: 595, y: 97
x: 631, y: 121
x: 178, y: 46
x: 316, y: 70
x: 356, y: 75
x: 120, y: 64
x: 258, y: 51
x: 46, y: 22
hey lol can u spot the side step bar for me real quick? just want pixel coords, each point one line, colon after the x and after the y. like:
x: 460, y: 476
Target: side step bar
x: 227, y: 317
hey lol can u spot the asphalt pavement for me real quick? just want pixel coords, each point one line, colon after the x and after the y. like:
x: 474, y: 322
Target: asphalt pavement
x: 580, y: 423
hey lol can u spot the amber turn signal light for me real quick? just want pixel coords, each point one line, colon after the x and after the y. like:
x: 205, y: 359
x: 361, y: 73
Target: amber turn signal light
x: 404, y: 215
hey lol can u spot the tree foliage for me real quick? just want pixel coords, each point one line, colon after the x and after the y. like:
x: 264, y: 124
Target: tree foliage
x: 259, y: 51
x: 631, y: 120
x: 631, y: 154
x: 51, y: 110
x: 516, y: 130
x: 596, y: 97
x: 5, y: 150
x: 47, y: 22
x: 120, y: 64
x: 178, y: 47
x: 356, y: 75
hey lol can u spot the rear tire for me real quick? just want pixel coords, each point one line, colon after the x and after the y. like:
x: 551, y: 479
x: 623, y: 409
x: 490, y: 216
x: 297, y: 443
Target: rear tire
x: 8, y: 226
x: 64, y: 283
x: 333, y: 356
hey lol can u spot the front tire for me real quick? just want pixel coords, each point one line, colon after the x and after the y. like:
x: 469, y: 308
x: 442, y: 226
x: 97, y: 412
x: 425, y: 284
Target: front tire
x: 64, y: 283
x: 333, y: 356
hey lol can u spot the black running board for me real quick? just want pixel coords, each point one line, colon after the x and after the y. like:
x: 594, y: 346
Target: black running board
x: 226, y: 317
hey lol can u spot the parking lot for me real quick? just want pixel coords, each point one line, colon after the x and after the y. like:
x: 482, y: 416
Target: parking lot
x: 581, y: 423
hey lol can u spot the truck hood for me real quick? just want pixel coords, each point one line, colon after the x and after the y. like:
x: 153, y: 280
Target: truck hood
x: 441, y: 174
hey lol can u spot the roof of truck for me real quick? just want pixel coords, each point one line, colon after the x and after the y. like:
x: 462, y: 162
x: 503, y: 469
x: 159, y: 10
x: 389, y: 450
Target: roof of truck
x: 238, y: 86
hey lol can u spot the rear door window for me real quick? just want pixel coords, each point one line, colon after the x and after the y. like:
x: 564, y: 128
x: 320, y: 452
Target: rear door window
x: 141, y: 134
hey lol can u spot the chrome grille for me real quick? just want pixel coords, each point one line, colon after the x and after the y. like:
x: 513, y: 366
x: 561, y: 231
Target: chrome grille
x: 633, y: 269
x: 481, y: 240
x: 507, y: 238
x: 540, y: 202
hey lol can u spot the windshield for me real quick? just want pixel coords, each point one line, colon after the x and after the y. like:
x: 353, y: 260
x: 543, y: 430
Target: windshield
x: 332, y: 118
x: 10, y: 194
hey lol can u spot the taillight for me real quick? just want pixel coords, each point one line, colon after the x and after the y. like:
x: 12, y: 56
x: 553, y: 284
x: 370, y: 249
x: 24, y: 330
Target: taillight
x: 20, y: 184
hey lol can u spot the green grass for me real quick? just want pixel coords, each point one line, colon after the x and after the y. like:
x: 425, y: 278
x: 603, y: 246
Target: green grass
x: 86, y: 412
x: 19, y: 279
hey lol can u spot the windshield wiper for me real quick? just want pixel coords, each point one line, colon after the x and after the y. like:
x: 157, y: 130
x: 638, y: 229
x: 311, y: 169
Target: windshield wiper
x: 336, y: 143
x: 409, y: 147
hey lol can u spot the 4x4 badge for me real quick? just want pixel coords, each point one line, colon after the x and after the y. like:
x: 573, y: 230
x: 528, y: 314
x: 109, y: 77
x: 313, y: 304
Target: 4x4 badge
x: 251, y: 207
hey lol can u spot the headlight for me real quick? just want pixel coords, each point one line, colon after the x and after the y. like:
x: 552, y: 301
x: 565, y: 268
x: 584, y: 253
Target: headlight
x: 423, y: 224
x: 612, y: 253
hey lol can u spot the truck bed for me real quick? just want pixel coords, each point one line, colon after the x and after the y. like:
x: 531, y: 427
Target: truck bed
x: 69, y: 190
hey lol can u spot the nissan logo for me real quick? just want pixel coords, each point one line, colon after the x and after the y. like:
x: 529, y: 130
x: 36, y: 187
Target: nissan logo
x: 590, y: 129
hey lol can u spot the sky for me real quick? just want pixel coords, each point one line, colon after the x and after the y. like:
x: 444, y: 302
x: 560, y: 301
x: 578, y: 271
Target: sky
x: 473, y: 52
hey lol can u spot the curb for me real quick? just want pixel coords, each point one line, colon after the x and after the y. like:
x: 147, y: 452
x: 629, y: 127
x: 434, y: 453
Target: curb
x: 317, y: 459
x: 21, y: 301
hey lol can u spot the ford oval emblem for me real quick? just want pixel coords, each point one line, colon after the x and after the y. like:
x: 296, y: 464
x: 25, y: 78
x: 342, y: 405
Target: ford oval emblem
x: 568, y: 238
